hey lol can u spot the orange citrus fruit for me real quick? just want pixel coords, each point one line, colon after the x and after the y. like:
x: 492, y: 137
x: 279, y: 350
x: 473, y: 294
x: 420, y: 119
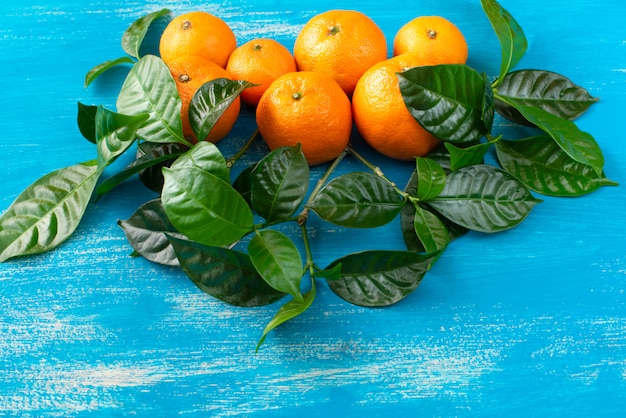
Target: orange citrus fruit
x: 190, y: 73
x: 342, y: 44
x: 197, y: 33
x: 435, y: 39
x: 382, y: 118
x: 259, y: 61
x: 309, y: 108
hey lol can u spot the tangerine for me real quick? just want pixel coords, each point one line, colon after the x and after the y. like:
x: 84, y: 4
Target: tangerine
x: 190, y: 73
x: 435, y: 39
x: 259, y: 61
x: 309, y: 108
x: 382, y: 118
x: 197, y: 33
x: 342, y: 44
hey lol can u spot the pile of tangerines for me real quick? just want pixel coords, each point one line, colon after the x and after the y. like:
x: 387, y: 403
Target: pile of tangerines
x: 339, y: 75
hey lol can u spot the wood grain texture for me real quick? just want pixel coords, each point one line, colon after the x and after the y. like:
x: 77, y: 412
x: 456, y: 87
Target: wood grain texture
x: 529, y: 322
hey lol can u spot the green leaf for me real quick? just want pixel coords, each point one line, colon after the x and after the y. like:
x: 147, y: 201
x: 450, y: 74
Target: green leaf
x: 430, y: 230
x: 99, y: 69
x: 210, y: 101
x: 279, y: 182
x: 545, y: 168
x: 288, y: 311
x: 549, y: 91
x: 513, y: 42
x: 447, y: 100
x: 243, y: 184
x: 150, y: 88
x: 277, y: 260
x: 148, y: 166
x: 136, y: 32
x: 378, y: 278
x: 204, y: 207
x: 115, y: 133
x: 86, y: 120
x: 359, y: 200
x: 484, y: 198
x: 205, y: 156
x: 579, y: 145
x: 224, y: 273
x: 145, y: 231
x: 432, y: 178
x: 464, y: 157
x: 47, y: 212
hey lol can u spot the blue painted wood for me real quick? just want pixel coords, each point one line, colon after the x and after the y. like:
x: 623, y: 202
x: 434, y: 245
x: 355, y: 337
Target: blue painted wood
x: 527, y: 322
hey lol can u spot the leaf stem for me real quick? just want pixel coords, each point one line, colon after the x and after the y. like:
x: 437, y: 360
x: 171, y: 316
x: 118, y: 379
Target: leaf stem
x: 302, y: 217
x: 230, y: 162
x: 376, y: 170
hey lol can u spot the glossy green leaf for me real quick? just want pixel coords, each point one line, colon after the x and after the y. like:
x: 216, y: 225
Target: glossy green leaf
x: 150, y: 88
x: 579, y: 145
x: 115, y: 133
x: 512, y: 39
x: 379, y: 278
x: 466, y: 156
x: 133, y: 36
x: 547, y: 90
x: 432, y: 178
x: 100, y: 69
x: 279, y: 182
x: 210, y: 101
x: 359, y: 200
x: 204, y: 207
x: 277, y: 260
x: 205, y: 156
x: 148, y: 166
x: 447, y: 100
x: 86, y: 120
x: 47, y: 212
x: 545, y: 168
x: 243, y: 184
x: 146, y: 231
x: 430, y: 230
x: 224, y: 273
x: 289, y: 311
x: 484, y: 198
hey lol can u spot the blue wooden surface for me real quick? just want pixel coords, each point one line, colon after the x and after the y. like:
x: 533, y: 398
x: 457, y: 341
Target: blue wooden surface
x: 530, y: 322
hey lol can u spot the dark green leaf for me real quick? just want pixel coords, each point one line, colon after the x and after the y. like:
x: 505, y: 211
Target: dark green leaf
x: 484, y: 198
x: 210, y: 101
x: 432, y: 178
x: 513, y: 42
x: 99, y: 69
x: 86, y: 120
x: 549, y: 91
x: 115, y: 133
x: 277, y: 260
x: 243, y: 184
x: 464, y: 157
x: 447, y: 100
x: 148, y: 166
x: 150, y: 88
x: 136, y: 32
x: 358, y: 199
x: 579, y: 145
x: 544, y: 167
x: 379, y: 278
x: 333, y: 273
x: 205, y: 156
x: 204, y: 207
x: 47, y: 212
x: 145, y: 231
x: 289, y: 311
x: 279, y: 183
x: 430, y: 230
x: 489, y: 106
x: 224, y: 273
